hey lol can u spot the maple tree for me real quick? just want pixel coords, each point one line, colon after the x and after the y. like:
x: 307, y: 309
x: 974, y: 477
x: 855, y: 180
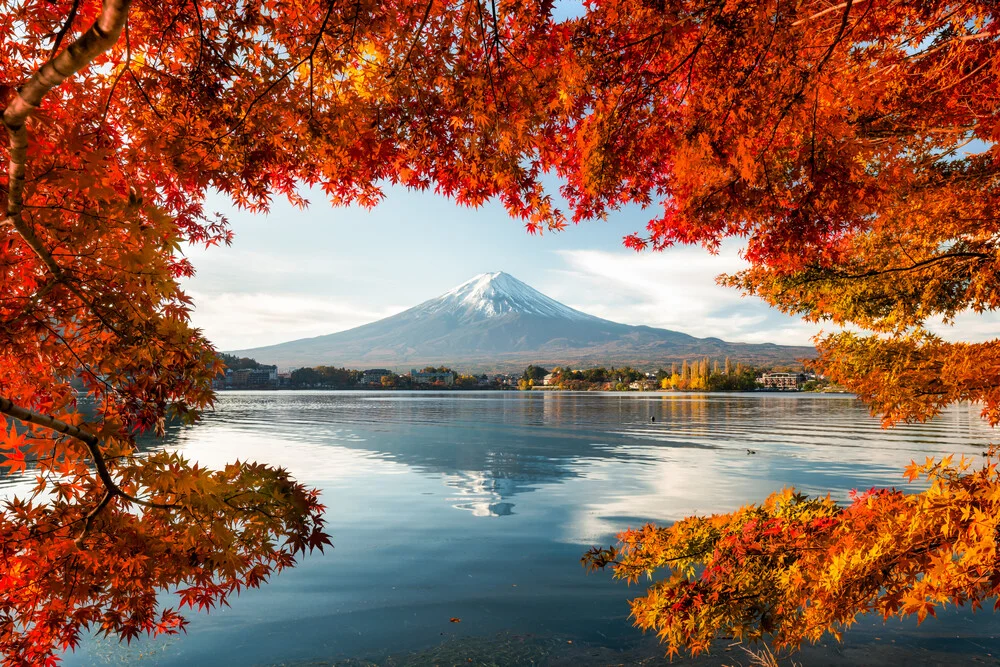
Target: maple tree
x: 851, y: 144
x: 121, y: 118
x: 795, y: 568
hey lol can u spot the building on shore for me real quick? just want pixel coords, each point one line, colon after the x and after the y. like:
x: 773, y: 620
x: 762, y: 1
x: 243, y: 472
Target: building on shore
x: 262, y: 377
x: 782, y: 381
x: 373, y: 376
x: 446, y: 378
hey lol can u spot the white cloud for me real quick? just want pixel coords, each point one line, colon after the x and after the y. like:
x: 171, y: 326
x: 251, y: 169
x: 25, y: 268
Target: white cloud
x: 235, y: 320
x: 675, y: 290
x: 971, y: 327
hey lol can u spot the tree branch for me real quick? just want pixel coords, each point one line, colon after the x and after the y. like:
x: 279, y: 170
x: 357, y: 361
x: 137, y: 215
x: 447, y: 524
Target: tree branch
x: 837, y: 275
x: 98, y: 39
x: 65, y: 29
x: 416, y: 38
x: 92, y: 442
x: 88, y: 521
x: 826, y: 11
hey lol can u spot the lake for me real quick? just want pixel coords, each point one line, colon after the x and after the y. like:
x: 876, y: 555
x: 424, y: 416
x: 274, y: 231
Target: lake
x: 478, y: 505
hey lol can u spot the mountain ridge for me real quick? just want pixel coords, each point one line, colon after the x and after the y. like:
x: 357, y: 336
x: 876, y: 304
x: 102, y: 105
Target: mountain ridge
x: 495, y: 322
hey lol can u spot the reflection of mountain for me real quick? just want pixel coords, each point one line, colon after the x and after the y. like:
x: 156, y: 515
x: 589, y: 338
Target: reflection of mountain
x: 487, y: 447
x: 489, y: 452
x: 496, y: 322
x: 481, y: 493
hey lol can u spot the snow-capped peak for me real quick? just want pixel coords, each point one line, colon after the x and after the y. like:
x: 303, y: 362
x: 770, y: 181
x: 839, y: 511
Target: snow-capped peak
x: 498, y: 293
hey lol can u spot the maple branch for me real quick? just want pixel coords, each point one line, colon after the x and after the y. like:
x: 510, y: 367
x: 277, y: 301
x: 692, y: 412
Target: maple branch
x: 114, y: 85
x: 496, y: 33
x: 97, y: 39
x: 806, y: 76
x: 961, y: 39
x: 87, y: 370
x: 135, y: 79
x: 899, y: 269
x: 29, y: 237
x: 413, y: 44
x: 88, y: 520
x: 65, y: 29
x: 100, y: 37
x: 489, y: 60
x: 92, y: 442
x: 282, y: 77
x: 826, y: 11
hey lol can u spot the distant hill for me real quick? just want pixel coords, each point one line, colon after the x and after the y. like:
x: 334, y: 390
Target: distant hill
x: 495, y: 322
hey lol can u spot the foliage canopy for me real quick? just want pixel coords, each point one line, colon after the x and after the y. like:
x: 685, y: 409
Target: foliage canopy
x: 852, y: 145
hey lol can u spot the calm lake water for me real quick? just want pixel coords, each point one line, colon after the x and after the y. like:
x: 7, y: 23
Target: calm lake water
x: 479, y: 506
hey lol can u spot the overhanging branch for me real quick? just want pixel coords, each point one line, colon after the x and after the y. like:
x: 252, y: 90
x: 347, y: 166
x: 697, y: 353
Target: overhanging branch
x: 100, y: 37
x: 96, y: 40
x: 92, y: 442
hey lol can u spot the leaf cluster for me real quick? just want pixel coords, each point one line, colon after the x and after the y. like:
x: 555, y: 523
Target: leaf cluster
x: 794, y: 568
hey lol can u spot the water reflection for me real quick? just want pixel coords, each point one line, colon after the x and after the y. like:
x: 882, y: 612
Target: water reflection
x: 491, y: 447
x: 478, y: 506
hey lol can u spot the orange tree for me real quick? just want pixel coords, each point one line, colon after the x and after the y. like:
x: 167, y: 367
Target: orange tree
x: 850, y: 144
x: 853, y: 146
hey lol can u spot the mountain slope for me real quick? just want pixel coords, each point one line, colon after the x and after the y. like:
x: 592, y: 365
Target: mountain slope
x: 496, y: 322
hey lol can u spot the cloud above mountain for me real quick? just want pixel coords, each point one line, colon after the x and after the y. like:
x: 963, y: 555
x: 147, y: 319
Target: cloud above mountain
x: 675, y: 289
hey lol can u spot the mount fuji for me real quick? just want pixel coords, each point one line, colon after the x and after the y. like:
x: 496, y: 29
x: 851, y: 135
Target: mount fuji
x: 496, y: 322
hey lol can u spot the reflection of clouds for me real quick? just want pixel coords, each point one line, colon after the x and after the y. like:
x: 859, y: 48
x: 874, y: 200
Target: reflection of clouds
x: 313, y: 461
x: 594, y: 460
x: 662, y: 485
x: 480, y: 492
x: 697, y: 463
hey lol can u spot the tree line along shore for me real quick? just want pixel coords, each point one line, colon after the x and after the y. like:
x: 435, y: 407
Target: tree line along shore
x: 697, y: 375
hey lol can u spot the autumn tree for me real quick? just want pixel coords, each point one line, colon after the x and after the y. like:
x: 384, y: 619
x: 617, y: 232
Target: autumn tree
x: 851, y: 145
x: 121, y: 117
x: 854, y: 146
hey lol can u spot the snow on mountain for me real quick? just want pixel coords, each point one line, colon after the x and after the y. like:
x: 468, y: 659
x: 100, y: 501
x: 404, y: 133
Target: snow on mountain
x: 496, y: 322
x: 497, y: 294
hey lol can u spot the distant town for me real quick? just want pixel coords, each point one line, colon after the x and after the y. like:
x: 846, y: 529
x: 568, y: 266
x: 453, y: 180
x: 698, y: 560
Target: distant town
x: 698, y: 375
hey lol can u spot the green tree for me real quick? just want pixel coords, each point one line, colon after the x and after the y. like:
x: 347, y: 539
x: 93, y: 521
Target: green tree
x: 305, y: 377
x: 235, y: 363
x: 535, y: 373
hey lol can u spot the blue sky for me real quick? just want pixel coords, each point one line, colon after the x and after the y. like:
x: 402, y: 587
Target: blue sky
x: 293, y: 273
